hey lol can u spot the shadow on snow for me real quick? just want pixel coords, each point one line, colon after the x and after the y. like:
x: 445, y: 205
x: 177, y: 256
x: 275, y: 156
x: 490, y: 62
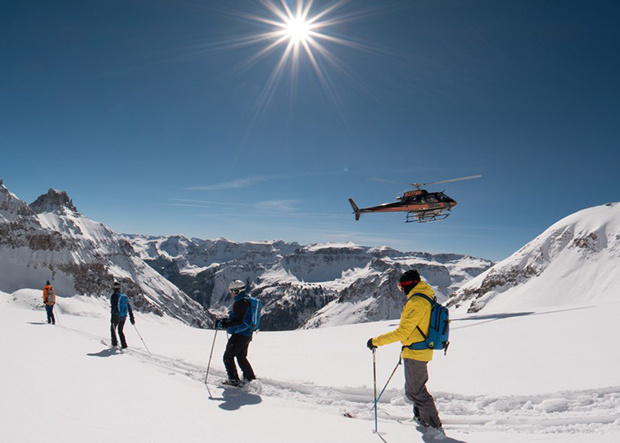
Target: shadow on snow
x: 107, y: 352
x: 502, y: 316
x: 234, y: 398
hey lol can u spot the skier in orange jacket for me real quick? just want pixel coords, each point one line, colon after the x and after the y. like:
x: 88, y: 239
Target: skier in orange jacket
x: 49, y: 299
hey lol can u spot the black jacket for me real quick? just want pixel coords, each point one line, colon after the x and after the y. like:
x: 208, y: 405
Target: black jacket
x: 236, y: 321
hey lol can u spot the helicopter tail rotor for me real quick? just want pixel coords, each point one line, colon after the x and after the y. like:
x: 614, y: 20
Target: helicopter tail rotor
x: 356, y: 210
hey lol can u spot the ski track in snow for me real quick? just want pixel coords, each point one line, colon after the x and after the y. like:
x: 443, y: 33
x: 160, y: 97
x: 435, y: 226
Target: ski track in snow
x: 594, y: 411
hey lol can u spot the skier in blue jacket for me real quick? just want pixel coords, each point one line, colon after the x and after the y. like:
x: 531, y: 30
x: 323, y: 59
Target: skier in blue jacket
x: 119, y: 308
x: 238, y: 325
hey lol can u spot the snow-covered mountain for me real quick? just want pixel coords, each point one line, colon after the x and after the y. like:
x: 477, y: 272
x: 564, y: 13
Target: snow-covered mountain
x: 50, y: 240
x: 575, y: 260
x: 302, y: 286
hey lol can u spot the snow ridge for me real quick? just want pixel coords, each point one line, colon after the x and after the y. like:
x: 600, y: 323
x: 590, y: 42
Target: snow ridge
x: 574, y: 259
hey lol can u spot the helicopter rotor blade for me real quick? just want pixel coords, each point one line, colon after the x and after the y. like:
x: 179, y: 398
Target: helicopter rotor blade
x: 418, y: 185
x: 383, y: 180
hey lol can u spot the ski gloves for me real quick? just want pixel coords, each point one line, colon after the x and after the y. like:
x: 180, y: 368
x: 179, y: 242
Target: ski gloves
x: 370, y: 345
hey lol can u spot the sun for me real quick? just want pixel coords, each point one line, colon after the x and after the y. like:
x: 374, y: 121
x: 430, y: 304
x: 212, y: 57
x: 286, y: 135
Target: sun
x: 296, y: 35
x: 295, y: 27
x: 298, y: 30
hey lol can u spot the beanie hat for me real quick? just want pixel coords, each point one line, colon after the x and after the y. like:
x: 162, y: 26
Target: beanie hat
x: 47, y: 282
x: 408, y: 280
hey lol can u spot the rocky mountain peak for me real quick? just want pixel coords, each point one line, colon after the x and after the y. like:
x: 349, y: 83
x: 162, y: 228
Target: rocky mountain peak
x: 11, y: 207
x: 80, y: 256
x: 54, y: 201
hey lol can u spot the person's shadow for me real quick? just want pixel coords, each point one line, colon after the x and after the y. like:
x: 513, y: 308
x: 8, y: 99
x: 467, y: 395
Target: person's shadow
x: 446, y: 439
x: 104, y: 353
x: 429, y: 438
x: 234, y: 398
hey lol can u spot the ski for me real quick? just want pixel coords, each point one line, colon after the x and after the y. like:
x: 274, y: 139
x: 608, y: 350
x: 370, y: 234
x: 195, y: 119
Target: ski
x: 108, y: 344
x: 113, y: 347
x: 233, y: 384
x: 430, y: 433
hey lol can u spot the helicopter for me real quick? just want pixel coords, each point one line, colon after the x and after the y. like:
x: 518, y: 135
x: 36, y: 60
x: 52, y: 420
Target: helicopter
x: 420, y: 205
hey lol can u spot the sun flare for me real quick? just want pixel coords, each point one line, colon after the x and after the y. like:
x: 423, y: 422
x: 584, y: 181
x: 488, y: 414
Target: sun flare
x: 298, y: 30
x: 295, y: 34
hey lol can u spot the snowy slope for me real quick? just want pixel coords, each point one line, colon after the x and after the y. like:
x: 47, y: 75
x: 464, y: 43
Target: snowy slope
x: 60, y: 383
x: 575, y: 260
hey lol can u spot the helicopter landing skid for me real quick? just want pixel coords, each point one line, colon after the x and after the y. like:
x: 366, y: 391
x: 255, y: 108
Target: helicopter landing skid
x: 427, y: 216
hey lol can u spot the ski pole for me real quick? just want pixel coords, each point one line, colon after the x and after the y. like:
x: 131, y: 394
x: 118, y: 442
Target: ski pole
x: 211, y: 355
x: 400, y: 360
x: 134, y: 326
x: 374, y: 378
x: 55, y: 314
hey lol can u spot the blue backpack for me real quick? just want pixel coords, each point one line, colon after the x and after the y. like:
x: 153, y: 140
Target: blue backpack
x: 439, y: 328
x: 255, y: 312
x: 123, y: 301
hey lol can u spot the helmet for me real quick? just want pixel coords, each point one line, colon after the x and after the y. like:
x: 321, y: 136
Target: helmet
x: 236, y: 286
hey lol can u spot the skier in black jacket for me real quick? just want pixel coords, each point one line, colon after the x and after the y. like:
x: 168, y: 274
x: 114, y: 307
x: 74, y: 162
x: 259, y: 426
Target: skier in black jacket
x: 238, y: 325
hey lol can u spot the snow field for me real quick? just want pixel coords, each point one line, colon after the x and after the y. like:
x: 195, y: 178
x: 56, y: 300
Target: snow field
x: 62, y: 384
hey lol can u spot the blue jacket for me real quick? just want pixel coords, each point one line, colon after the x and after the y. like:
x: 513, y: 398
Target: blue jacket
x: 118, y: 302
x: 239, y: 316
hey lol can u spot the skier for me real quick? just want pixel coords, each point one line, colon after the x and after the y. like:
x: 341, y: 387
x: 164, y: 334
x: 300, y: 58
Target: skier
x: 238, y: 325
x: 119, y: 308
x: 49, y: 300
x: 415, y: 318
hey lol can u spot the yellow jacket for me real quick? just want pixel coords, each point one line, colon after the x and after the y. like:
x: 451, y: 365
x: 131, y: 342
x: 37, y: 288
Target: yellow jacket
x: 417, y: 312
x: 49, y: 296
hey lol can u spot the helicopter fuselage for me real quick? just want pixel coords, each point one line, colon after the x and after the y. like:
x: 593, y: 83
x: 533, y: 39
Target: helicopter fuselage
x: 419, y: 204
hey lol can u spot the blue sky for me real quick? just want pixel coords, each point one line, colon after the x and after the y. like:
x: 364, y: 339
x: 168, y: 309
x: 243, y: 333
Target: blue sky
x: 156, y: 119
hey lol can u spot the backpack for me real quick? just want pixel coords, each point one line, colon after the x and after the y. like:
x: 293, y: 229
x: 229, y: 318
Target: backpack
x: 123, y: 301
x: 255, y: 312
x: 439, y: 328
x: 49, y: 296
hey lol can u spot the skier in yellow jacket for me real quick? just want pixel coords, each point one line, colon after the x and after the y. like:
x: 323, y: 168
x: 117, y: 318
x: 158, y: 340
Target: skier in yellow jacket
x: 416, y: 315
x: 49, y: 299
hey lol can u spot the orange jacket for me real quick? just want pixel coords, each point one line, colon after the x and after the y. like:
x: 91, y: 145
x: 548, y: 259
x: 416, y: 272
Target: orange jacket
x: 49, y: 296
